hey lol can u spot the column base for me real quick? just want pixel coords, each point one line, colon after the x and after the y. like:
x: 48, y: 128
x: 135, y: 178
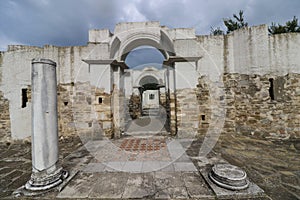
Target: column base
x: 46, y: 180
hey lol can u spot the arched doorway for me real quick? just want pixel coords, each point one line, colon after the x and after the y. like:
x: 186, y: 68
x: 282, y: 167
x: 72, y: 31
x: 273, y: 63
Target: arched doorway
x: 150, y: 95
x: 150, y: 104
x: 108, y: 57
x: 145, y: 90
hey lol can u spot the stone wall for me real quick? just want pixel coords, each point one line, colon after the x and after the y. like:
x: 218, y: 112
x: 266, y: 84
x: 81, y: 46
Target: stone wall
x: 92, y: 118
x: 248, y: 58
x: 204, y: 101
x: 134, y: 106
x: 101, y: 102
x: 66, y: 124
x: 84, y: 109
x: 260, y: 105
x: 266, y: 105
x: 172, y: 113
x: 5, y: 132
x: 187, y: 113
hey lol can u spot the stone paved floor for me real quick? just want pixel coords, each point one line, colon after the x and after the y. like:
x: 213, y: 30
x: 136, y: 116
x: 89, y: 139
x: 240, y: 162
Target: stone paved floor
x: 273, y: 165
x: 137, y: 185
x: 146, y: 125
x: 138, y: 155
x: 130, y: 148
x: 156, y: 167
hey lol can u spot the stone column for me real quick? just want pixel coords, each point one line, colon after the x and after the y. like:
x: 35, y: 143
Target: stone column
x: 46, y: 172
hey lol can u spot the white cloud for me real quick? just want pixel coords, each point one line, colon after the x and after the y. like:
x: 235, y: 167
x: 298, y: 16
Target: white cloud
x: 132, y: 14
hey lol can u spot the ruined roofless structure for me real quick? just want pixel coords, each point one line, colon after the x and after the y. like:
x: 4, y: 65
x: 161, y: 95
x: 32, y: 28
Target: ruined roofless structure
x: 244, y: 82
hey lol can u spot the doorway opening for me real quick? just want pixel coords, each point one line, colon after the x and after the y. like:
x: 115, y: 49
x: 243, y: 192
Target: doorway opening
x: 145, y: 91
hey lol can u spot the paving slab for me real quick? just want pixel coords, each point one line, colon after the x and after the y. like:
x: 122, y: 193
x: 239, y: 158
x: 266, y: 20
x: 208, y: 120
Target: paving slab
x: 184, y: 166
x: 166, y: 167
x: 169, y: 185
x: 150, y: 166
x: 140, y: 186
x: 94, y: 167
x: 114, y: 166
x: 133, y: 166
x: 196, y: 186
x: 110, y: 185
x: 79, y: 187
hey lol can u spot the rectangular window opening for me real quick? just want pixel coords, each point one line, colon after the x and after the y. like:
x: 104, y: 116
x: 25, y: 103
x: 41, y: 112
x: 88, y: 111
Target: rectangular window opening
x: 151, y: 96
x: 100, y: 100
x: 271, y: 89
x: 203, y: 117
x: 24, y: 98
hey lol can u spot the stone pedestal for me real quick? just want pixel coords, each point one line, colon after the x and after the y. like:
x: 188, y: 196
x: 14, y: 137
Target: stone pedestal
x: 46, y: 172
x: 229, y: 177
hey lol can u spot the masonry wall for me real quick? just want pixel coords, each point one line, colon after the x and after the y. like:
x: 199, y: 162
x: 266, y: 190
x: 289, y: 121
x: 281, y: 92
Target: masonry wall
x: 66, y: 124
x: 243, y: 64
x: 72, y: 72
x: 5, y: 131
x: 235, y: 70
x: 254, y: 107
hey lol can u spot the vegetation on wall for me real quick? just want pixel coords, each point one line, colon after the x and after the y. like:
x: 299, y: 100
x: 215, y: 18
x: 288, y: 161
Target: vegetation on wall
x: 289, y: 27
x: 216, y: 31
x: 231, y: 24
x: 238, y: 22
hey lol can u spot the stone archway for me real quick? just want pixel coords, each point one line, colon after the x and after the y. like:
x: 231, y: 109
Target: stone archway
x: 108, y: 59
x: 150, y: 95
x: 122, y: 45
x: 148, y: 101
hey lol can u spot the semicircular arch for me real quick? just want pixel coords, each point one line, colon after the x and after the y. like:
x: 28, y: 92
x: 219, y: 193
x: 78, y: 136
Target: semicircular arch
x: 120, y: 49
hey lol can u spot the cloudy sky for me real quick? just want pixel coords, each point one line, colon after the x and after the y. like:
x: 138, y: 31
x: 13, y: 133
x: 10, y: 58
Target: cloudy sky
x: 66, y: 22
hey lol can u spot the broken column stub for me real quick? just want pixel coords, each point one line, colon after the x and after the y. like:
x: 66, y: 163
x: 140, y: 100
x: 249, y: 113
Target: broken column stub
x: 46, y: 172
x: 229, y: 177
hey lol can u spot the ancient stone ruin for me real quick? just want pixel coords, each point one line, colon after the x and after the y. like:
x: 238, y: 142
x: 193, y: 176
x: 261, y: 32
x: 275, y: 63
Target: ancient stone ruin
x: 253, y: 76
x: 246, y: 82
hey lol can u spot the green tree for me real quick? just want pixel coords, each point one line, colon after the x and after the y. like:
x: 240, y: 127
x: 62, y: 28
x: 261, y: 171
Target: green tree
x: 289, y: 27
x: 216, y: 31
x: 236, y: 23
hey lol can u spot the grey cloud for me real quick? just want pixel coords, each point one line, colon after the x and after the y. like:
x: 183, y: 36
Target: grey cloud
x: 66, y: 22
x: 56, y: 22
x: 265, y: 12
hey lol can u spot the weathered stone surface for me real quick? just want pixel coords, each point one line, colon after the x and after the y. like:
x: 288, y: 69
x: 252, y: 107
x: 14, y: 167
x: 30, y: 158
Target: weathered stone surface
x: 187, y: 113
x: 268, y: 164
x: 250, y: 110
x: 139, y: 186
x: 273, y: 166
x: 196, y: 186
x: 109, y: 185
x: 5, y: 132
x: 134, y: 106
x: 80, y: 187
x: 169, y: 185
